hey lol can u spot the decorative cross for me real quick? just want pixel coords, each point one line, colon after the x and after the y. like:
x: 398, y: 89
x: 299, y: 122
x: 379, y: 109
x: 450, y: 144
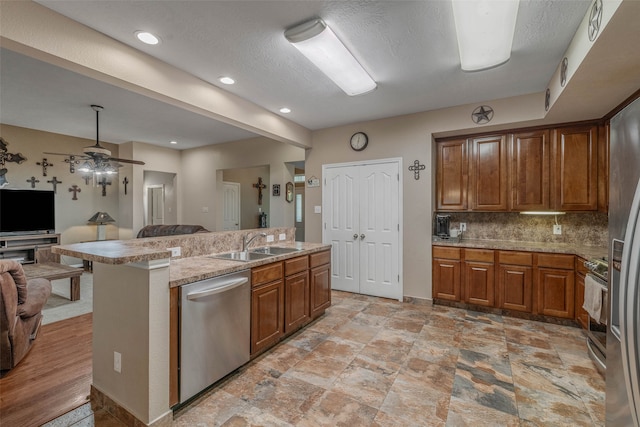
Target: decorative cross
x: 416, y: 168
x: 260, y: 186
x: 125, y: 181
x: 55, y: 183
x: 33, y: 181
x: 103, y: 183
x: 5, y: 156
x: 75, y: 189
x: 72, y: 162
x: 44, y: 165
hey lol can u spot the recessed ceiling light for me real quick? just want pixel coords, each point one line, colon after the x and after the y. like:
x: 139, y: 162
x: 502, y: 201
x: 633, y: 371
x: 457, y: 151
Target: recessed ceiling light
x: 285, y: 110
x: 174, y: 142
x: 226, y: 80
x: 146, y: 37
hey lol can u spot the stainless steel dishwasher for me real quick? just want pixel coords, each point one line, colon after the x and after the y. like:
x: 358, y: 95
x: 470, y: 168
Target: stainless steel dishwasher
x: 215, y: 316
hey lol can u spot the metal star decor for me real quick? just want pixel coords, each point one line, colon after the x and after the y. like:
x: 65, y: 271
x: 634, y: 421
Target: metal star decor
x: 595, y: 18
x: 563, y: 71
x: 482, y: 114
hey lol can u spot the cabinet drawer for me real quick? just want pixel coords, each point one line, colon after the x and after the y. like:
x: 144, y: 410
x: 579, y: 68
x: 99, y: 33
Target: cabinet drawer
x: 266, y: 273
x: 319, y: 258
x: 515, y: 258
x: 556, y: 261
x: 481, y: 255
x: 296, y: 265
x: 446, y: 253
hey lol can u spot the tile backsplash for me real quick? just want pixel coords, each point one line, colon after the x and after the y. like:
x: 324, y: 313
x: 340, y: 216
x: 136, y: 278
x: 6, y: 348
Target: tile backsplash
x: 589, y: 229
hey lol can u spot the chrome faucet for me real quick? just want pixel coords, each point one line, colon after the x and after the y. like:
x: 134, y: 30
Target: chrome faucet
x: 246, y: 243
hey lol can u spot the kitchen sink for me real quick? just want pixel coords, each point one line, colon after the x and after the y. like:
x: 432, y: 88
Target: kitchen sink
x: 274, y: 250
x: 243, y: 256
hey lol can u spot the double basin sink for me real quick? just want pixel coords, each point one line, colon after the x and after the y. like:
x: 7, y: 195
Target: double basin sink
x: 256, y: 254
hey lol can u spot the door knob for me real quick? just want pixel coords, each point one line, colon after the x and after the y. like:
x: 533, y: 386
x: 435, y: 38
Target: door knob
x: 355, y: 236
x: 362, y: 236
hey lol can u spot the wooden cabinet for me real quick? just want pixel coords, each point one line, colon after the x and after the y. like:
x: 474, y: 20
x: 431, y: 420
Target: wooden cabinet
x: 29, y: 248
x: 488, y: 173
x: 451, y: 175
x: 574, y: 175
x: 479, y: 281
x: 296, y: 293
x: 267, y: 306
x: 582, y: 317
x: 446, y: 273
x: 555, y: 285
x: 515, y: 281
x: 529, y: 170
x: 319, y: 282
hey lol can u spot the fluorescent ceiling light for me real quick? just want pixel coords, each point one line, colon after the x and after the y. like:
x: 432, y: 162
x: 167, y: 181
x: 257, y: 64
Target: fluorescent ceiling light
x: 147, y: 38
x: 485, y: 31
x: 321, y: 46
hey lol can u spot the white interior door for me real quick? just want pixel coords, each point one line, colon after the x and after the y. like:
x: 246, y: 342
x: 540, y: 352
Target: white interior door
x: 231, y: 206
x: 156, y: 204
x: 361, y: 205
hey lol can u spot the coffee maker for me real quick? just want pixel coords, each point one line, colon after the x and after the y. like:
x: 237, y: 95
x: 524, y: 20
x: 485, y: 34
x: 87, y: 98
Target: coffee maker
x: 441, y: 225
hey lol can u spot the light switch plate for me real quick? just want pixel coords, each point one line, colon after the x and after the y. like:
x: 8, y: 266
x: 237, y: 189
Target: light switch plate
x: 175, y: 251
x: 270, y: 238
x: 317, y: 209
x: 282, y: 236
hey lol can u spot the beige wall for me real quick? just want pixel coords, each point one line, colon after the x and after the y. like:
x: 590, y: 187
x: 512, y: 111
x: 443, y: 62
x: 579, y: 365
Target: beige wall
x: 71, y: 215
x: 201, y: 184
x: 411, y: 138
x: 249, y: 206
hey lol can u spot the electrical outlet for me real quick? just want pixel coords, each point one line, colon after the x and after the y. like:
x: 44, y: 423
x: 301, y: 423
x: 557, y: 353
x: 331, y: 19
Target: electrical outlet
x: 205, y: 209
x: 117, y: 362
x: 282, y: 236
x: 463, y: 226
x: 557, y: 229
x: 175, y: 251
x: 270, y: 238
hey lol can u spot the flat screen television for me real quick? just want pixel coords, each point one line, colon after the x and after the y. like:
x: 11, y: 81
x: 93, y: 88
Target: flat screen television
x: 26, y: 212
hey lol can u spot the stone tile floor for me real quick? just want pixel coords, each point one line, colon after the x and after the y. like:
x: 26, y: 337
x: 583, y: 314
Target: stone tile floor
x: 378, y: 362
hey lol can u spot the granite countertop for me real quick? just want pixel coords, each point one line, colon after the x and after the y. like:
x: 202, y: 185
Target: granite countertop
x: 586, y: 252
x: 188, y: 270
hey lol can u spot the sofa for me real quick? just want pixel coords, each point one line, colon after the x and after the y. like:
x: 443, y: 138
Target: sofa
x: 21, y: 304
x: 170, y: 230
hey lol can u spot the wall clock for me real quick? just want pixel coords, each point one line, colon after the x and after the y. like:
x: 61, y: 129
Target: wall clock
x: 359, y: 141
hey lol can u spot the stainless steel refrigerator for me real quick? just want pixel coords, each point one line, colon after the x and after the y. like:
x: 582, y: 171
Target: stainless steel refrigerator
x: 623, y: 333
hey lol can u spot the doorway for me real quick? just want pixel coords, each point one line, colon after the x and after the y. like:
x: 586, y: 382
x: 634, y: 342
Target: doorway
x: 362, y: 220
x: 231, y: 206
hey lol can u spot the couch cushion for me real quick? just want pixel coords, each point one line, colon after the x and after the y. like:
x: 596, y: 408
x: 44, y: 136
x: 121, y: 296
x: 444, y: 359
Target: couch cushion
x: 14, y: 268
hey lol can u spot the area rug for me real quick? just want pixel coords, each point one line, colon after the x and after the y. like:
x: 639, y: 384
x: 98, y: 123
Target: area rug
x: 60, y: 307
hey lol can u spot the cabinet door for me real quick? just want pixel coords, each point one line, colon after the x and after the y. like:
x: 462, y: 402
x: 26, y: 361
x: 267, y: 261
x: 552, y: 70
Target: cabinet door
x: 446, y: 279
x: 529, y: 172
x: 479, y: 283
x: 451, y: 175
x: 488, y: 173
x: 575, y: 169
x: 296, y: 297
x: 320, y: 289
x: 555, y: 292
x: 267, y: 315
x: 515, y: 287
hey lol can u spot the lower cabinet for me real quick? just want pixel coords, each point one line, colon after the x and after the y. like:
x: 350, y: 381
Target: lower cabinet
x: 515, y: 281
x: 320, y: 282
x: 529, y: 282
x: 296, y: 293
x: 555, y: 280
x: 267, y: 306
x: 446, y: 273
x: 479, y: 281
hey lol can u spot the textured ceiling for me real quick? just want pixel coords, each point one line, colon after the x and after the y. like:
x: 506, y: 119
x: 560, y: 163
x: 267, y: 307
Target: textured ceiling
x: 408, y: 47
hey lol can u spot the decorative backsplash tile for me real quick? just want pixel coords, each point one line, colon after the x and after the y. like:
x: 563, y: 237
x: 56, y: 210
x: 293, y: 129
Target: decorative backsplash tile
x: 589, y: 229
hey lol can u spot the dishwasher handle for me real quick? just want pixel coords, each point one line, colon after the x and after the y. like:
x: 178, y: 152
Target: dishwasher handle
x: 218, y: 288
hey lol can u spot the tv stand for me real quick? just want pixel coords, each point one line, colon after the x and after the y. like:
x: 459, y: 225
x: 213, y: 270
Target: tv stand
x: 29, y: 248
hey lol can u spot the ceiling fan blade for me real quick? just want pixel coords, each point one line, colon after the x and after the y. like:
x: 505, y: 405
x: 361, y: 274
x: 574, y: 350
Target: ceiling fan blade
x: 77, y: 156
x: 135, y: 162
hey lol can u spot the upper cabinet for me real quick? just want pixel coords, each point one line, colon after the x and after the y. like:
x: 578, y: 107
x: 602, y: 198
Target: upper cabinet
x: 451, y: 175
x: 560, y: 169
x: 488, y: 173
x: 574, y: 175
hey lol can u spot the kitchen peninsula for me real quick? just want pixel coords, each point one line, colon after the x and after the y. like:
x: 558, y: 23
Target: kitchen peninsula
x: 136, y: 283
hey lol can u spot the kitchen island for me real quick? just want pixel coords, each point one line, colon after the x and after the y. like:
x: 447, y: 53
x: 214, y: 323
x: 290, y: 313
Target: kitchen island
x: 134, y: 284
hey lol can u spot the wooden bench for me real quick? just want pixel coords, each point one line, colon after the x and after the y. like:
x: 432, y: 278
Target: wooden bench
x: 54, y: 271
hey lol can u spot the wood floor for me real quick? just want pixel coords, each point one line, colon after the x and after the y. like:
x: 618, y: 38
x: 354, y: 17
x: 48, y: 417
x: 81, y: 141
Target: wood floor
x: 54, y: 378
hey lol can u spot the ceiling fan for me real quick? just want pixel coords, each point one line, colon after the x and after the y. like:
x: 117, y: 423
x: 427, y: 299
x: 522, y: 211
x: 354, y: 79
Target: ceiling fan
x: 96, y: 158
